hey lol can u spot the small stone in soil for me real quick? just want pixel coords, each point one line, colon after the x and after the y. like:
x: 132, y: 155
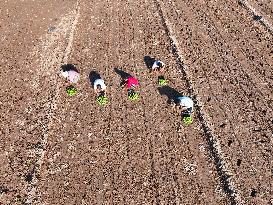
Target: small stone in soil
x: 239, y: 161
x: 223, y: 125
x: 253, y: 193
x: 51, y: 29
x: 257, y: 129
x: 257, y: 18
x: 29, y: 178
x: 230, y: 142
x: 3, y: 190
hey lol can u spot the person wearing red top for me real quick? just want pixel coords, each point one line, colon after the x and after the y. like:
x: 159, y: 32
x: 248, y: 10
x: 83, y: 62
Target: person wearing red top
x: 131, y: 82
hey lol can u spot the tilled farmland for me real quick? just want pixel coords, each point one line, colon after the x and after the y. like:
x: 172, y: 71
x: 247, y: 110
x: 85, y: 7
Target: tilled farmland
x: 60, y: 149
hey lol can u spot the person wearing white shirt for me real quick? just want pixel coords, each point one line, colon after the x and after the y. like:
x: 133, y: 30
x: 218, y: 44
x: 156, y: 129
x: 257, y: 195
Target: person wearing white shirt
x: 185, y: 104
x: 99, y: 86
x: 158, y: 66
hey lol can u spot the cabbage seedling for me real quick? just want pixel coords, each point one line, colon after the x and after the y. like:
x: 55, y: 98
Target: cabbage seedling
x: 71, y: 90
x: 102, y: 100
x: 187, y: 120
x: 162, y: 82
x: 132, y: 95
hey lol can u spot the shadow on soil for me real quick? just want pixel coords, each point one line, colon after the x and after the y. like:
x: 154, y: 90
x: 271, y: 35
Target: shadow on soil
x: 123, y: 75
x: 161, y: 77
x: 149, y: 62
x: 171, y: 93
x: 68, y: 67
x: 93, y: 75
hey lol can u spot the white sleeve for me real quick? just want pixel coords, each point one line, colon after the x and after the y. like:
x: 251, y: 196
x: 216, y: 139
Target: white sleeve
x: 155, y: 65
x: 64, y: 73
x: 96, y: 83
x: 103, y: 86
x: 99, y: 82
x: 163, y: 64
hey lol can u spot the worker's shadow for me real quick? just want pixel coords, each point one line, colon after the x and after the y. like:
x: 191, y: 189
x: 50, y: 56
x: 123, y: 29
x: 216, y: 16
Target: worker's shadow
x: 93, y: 75
x: 68, y: 67
x: 149, y: 62
x: 123, y: 75
x: 171, y: 93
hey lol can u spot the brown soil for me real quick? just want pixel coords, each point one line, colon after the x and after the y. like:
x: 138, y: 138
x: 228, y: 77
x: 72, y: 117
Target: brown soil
x: 57, y: 149
x: 263, y: 6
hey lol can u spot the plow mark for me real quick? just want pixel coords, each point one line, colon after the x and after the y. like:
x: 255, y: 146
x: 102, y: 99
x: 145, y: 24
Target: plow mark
x: 50, y: 55
x: 214, y: 145
x: 256, y: 14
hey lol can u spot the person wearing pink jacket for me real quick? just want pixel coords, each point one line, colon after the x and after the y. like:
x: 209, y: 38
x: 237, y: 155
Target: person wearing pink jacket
x: 71, y: 75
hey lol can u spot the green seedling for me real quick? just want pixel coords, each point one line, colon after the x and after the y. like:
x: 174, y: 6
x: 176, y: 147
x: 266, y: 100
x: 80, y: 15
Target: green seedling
x: 71, y: 90
x: 162, y: 82
x: 102, y: 100
x: 132, y: 95
x: 187, y: 120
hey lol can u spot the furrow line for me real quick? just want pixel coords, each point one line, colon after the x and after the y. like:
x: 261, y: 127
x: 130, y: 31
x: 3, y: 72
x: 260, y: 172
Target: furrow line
x: 71, y: 35
x: 254, y: 11
x: 222, y: 166
x: 33, y: 195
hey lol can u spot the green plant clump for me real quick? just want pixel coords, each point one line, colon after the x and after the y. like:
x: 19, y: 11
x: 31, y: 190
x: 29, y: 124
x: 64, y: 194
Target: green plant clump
x: 132, y: 95
x: 162, y: 82
x: 187, y: 120
x: 102, y: 100
x: 71, y: 90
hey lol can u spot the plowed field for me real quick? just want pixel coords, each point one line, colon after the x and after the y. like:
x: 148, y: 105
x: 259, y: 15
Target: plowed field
x: 58, y: 149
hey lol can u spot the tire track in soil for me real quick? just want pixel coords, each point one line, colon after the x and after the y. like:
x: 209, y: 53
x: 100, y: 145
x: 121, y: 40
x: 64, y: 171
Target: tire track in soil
x: 199, y: 46
x: 258, y: 12
x: 261, y: 56
x: 89, y: 126
x: 154, y: 48
x: 83, y: 150
x: 241, y: 143
x: 48, y: 60
x: 241, y: 150
x: 172, y: 189
x: 227, y: 65
x: 265, y: 6
x: 214, y: 145
x: 23, y: 110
